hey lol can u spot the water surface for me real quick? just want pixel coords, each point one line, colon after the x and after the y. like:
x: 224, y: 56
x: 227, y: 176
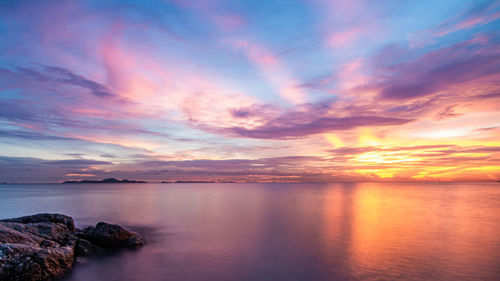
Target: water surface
x: 201, y: 232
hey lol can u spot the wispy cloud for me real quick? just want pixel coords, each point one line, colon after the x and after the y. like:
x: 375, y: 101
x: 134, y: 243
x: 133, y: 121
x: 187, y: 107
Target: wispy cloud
x: 479, y: 13
x: 439, y: 70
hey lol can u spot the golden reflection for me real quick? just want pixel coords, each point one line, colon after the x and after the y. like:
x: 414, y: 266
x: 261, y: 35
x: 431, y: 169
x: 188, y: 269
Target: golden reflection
x: 386, y: 227
x: 335, y: 233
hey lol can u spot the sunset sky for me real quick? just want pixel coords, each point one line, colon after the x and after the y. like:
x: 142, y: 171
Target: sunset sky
x: 306, y: 91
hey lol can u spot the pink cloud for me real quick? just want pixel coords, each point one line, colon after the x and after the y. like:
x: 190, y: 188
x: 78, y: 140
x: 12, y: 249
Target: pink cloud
x: 469, y: 23
x: 350, y: 75
x: 272, y: 68
x: 478, y: 14
x: 344, y: 38
x: 229, y: 21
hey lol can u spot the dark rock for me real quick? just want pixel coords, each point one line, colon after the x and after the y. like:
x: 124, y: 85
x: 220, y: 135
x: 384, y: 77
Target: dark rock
x: 111, y: 235
x: 45, y: 246
x: 56, y: 232
x: 85, y: 248
x: 135, y: 241
x: 25, y: 260
x: 9, y: 235
x: 57, y: 218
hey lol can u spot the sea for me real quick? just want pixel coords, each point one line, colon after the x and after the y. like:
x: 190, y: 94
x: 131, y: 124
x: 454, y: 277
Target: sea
x: 281, y: 231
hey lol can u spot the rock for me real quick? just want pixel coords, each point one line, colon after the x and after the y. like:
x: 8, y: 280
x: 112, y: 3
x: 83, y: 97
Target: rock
x: 111, y: 235
x: 56, y: 232
x: 9, y: 235
x: 135, y: 241
x: 56, y: 218
x: 25, y: 261
x: 45, y: 246
x: 85, y: 248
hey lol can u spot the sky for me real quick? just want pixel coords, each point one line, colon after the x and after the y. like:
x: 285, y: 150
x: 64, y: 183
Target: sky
x: 250, y: 91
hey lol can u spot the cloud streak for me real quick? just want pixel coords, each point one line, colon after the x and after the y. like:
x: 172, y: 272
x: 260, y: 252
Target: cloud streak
x: 51, y: 75
x: 440, y: 70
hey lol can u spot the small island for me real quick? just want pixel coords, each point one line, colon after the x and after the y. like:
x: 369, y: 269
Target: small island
x: 110, y: 180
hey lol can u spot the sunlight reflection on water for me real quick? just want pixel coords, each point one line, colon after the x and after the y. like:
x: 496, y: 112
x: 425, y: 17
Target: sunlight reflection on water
x: 287, y: 232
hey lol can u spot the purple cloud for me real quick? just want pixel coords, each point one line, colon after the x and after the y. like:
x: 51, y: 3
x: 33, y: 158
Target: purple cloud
x: 77, y: 162
x: 402, y: 73
x: 282, y: 128
x: 33, y: 136
x: 301, y: 121
x: 448, y: 112
x: 439, y: 70
x: 54, y: 75
x: 494, y: 95
x: 255, y: 110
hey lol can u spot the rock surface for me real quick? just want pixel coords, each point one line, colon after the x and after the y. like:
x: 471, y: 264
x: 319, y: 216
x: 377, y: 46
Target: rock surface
x: 45, y: 246
x: 110, y: 235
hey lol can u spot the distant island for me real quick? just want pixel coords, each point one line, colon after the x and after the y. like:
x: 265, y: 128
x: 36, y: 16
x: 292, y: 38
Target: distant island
x: 110, y: 180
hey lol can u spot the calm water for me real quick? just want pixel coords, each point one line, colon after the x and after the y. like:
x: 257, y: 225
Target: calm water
x: 283, y: 231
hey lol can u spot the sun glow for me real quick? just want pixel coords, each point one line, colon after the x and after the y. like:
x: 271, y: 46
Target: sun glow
x: 381, y: 173
x: 383, y: 157
x: 334, y: 140
x: 367, y: 138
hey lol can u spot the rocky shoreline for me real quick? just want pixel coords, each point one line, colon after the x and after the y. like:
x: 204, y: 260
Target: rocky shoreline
x: 46, y: 246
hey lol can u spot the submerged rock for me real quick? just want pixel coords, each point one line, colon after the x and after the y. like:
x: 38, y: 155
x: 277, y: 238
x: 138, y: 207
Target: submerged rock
x: 45, y: 246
